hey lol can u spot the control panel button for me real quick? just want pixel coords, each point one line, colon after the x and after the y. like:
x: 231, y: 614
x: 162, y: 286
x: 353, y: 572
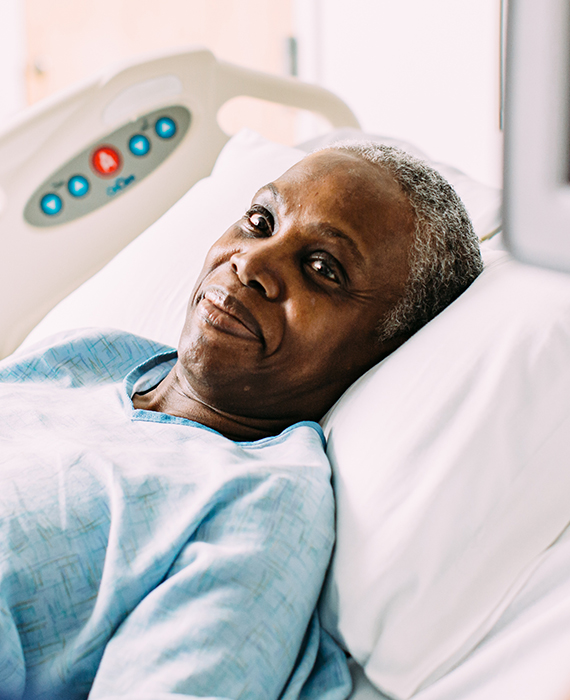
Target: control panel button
x: 165, y: 127
x: 139, y: 145
x: 106, y: 161
x: 78, y: 186
x: 51, y: 204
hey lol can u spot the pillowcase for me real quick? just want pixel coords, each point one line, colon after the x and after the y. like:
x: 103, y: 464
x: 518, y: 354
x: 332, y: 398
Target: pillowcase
x: 146, y: 287
x: 450, y: 463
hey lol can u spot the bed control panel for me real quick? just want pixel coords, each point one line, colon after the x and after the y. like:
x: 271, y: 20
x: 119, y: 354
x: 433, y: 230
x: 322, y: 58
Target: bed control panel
x: 107, y: 168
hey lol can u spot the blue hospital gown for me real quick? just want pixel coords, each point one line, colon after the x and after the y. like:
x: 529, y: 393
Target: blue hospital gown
x: 145, y: 556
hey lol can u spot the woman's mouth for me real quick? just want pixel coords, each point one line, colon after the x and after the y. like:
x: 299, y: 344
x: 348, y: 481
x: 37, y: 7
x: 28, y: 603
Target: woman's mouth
x: 225, y: 313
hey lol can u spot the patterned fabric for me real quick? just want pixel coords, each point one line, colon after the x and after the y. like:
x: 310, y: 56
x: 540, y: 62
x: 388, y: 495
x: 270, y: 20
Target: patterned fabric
x: 143, y: 555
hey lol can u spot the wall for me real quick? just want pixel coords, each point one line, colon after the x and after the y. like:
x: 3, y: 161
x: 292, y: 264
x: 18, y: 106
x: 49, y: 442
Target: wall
x: 68, y: 40
x: 423, y: 70
x: 12, y: 58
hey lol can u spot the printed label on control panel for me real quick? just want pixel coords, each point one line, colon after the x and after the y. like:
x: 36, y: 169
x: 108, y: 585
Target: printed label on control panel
x: 120, y: 184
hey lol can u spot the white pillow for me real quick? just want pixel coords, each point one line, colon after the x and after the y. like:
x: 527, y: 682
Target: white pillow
x: 451, y: 473
x: 145, y: 288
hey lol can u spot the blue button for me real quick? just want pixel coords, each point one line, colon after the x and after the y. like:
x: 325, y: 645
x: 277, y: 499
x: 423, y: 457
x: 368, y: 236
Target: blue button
x: 78, y: 186
x: 139, y: 145
x: 165, y: 127
x: 51, y: 204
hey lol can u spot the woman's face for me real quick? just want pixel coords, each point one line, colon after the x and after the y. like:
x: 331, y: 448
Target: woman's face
x: 284, y: 316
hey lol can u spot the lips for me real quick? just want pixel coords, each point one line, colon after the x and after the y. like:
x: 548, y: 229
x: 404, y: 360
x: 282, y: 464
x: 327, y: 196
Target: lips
x: 223, y: 311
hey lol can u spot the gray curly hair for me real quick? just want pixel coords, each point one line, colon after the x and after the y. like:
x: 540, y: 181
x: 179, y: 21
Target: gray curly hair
x: 445, y: 256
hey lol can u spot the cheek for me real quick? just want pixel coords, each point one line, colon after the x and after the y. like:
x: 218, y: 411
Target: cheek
x: 353, y: 345
x: 218, y: 255
x: 221, y: 250
x: 310, y: 326
x: 308, y: 315
x: 215, y: 256
x: 330, y: 334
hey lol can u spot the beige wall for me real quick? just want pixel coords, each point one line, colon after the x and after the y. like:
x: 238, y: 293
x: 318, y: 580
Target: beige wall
x: 68, y: 40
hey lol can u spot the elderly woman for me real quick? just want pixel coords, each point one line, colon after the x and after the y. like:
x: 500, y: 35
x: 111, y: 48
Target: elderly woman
x: 167, y: 517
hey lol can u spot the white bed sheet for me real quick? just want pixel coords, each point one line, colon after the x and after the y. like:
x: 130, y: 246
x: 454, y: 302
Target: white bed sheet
x: 526, y: 656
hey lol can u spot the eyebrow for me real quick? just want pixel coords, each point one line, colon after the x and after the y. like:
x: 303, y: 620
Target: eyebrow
x: 274, y: 191
x: 325, y: 230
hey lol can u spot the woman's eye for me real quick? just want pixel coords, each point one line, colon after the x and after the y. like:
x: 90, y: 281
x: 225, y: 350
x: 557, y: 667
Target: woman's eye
x: 260, y: 221
x: 322, y: 268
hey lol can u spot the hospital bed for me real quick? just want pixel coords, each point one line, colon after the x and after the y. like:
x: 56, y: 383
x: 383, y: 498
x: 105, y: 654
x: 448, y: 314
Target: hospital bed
x: 451, y: 573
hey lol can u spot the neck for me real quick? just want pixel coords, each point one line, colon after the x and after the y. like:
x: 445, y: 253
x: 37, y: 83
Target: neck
x: 177, y: 399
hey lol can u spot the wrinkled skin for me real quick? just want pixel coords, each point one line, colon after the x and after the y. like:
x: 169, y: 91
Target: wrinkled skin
x: 283, y: 318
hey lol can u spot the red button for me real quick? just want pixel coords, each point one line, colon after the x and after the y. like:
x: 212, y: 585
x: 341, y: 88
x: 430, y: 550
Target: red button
x: 106, y: 161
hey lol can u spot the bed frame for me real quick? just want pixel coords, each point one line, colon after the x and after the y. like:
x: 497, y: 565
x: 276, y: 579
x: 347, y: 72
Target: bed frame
x: 41, y: 265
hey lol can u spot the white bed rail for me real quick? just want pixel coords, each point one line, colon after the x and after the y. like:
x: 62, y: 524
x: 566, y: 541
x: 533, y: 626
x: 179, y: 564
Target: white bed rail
x: 39, y: 266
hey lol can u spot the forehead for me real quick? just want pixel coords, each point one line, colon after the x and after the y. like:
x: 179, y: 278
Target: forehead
x: 343, y: 190
x: 341, y: 165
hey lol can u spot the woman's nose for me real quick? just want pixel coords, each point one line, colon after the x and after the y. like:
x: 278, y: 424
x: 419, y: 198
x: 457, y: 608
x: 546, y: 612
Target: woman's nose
x: 258, y: 267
